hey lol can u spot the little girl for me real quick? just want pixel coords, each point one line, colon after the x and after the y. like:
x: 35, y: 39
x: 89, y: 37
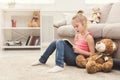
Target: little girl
x: 84, y: 45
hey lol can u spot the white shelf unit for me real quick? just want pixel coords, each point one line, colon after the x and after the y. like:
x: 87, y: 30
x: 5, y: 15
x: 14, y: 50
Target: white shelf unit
x: 21, y: 32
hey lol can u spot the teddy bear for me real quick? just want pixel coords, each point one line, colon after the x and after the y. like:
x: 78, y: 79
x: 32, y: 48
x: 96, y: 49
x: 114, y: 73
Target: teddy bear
x: 81, y: 61
x: 102, y: 60
x: 95, y: 17
x: 35, y: 21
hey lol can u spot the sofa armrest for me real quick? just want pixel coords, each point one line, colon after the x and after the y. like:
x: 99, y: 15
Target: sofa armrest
x: 66, y: 31
x: 59, y: 23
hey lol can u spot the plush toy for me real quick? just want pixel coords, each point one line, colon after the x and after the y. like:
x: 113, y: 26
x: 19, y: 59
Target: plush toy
x: 81, y: 61
x: 35, y: 21
x: 95, y: 17
x: 13, y: 43
x: 102, y: 60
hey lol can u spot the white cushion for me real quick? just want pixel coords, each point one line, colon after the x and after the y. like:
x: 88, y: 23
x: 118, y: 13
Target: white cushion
x: 114, y: 15
x: 104, y: 12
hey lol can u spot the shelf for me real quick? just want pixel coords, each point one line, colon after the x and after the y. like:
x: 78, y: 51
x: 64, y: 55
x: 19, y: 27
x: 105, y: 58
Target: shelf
x: 21, y: 28
x: 20, y: 46
x: 21, y: 32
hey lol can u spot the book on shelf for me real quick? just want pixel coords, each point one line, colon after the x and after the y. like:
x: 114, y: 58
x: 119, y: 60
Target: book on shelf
x: 30, y: 40
x: 38, y: 41
x: 27, y: 40
x: 33, y: 41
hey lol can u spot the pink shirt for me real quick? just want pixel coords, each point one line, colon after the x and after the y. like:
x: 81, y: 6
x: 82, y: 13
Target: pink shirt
x: 82, y: 43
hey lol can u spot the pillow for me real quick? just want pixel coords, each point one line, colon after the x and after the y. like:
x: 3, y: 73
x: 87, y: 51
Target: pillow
x: 104, y: 12
x: 114, y: 15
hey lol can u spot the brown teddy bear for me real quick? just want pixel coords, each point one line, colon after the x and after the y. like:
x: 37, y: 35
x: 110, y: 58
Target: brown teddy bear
x: 81, y: 61
x: 35, y: 21
x: 95, y: 17
x: 102, y: 61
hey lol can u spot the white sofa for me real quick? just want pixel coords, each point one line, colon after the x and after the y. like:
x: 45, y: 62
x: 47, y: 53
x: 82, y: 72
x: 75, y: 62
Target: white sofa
x: 108, y: 28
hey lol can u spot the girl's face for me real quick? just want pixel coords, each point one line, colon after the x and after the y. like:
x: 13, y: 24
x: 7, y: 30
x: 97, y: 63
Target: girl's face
x: 78, y: 26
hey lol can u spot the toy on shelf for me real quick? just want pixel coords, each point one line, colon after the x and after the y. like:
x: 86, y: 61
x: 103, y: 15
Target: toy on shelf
x: 35, y: 21
x: 13, y: 43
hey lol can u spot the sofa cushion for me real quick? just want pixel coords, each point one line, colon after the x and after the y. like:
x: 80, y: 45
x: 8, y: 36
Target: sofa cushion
x: 104, y: 12
x: 96, y: 30
x: 66, y: 31
x: 114, y: 15
x: 111, y: 31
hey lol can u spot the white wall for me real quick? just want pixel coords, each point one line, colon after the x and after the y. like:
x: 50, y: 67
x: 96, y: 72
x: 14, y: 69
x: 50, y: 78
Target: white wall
x: 69, y: 5
x: 59, y: 5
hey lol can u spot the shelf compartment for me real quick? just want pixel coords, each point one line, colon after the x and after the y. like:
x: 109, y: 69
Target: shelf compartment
x: 21, y: 35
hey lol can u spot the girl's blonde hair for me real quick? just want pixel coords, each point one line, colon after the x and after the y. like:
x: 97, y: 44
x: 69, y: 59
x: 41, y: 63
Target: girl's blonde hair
x: 81, y: 18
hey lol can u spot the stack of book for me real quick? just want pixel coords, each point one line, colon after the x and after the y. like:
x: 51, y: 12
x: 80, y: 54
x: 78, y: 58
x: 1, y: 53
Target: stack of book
x: 33, y: 41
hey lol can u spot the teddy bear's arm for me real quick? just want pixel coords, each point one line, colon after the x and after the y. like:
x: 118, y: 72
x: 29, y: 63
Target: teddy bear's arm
x: 81, y: 61
x: 92, y: 66
x: 93, y: 57
x: 107, y: 66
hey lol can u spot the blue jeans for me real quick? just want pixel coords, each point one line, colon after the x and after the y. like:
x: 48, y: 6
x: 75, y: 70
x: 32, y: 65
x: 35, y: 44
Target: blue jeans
x: 64, y: 53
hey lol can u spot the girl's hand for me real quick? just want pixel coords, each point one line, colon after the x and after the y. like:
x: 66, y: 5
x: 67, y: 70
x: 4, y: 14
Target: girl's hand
x: 75, y: 49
